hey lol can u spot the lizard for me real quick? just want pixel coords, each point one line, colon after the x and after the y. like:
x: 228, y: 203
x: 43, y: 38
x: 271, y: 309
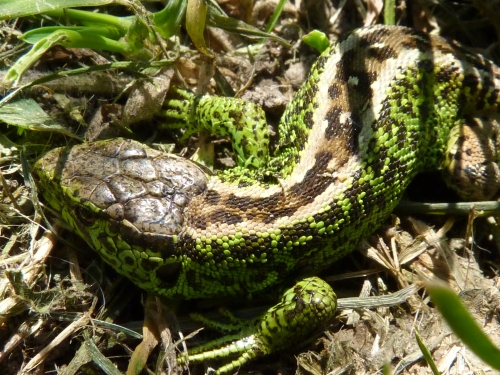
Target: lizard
x: 380, y: 105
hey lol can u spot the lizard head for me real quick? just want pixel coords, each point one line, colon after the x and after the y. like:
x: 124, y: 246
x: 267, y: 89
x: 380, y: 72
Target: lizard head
x: 126, y: 200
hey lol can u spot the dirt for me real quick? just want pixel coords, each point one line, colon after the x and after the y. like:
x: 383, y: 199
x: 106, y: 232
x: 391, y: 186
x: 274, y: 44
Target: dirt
x: 59, y: 298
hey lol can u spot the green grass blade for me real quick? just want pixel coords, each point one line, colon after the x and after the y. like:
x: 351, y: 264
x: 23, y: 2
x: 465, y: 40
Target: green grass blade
x: 276, y: 15
x: 27, y: 114
x: 168, y: 20
x: 196, y: 16
x: 10, y: 9
x: 390, y: 12
x: 82, y: 17
x: 463, y: 324
x: 35, y: 35
x: 427, y: 354
x: 239, y: 27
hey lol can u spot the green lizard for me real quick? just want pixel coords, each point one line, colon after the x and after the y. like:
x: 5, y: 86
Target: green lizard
x: 379, y: 106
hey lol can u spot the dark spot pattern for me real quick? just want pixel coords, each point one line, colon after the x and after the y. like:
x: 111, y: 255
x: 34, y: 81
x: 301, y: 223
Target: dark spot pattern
x: 334, y: 127
x: 381, y: 54
x: 471, y: 81
x: 308, y: 120
x: 493, y: 97
x: 348, y: 131
x: 446, y: 74
x: 315, y: 181
x: 334, y: 91
x: 239, y: 203
x: 225, y: 216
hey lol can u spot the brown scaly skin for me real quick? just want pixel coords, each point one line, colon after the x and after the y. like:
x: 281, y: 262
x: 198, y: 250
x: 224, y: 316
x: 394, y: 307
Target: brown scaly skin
x: 379, y: 106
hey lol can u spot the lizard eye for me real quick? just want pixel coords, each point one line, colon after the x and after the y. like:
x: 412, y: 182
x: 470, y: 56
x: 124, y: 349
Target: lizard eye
x: 86, y: 216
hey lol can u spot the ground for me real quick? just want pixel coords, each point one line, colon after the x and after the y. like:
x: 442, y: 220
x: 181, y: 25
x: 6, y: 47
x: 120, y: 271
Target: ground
x: 72, y: 314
